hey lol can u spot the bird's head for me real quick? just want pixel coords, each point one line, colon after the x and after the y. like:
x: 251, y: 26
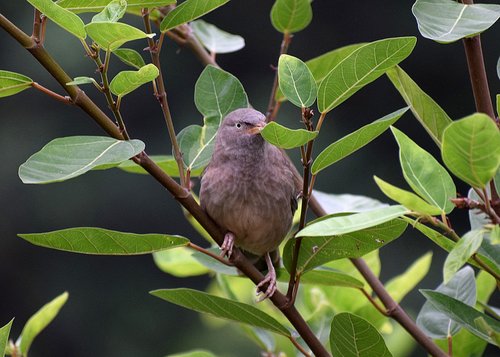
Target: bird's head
x: 241, y: 128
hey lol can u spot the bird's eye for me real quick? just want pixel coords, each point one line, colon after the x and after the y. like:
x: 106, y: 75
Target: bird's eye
x: 238, y: 125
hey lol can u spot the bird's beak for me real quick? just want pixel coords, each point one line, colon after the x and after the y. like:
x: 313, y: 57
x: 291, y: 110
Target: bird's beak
x: 256, y: 129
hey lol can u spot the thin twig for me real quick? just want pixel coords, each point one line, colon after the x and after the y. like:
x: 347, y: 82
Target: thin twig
x: 37, y: 26
x: 183, y: 36
x: 374, y: 302
x: 210, y: 254
x: 64, y: 99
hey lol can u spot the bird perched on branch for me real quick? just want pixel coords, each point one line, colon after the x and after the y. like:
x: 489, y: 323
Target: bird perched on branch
x: 249, y: 189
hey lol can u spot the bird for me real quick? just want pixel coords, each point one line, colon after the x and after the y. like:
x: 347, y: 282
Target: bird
x: 249, y: 189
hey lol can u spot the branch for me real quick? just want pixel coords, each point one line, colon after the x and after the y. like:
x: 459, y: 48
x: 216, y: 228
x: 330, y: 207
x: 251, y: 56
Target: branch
x: 177, y: 191
x: 183, y: 36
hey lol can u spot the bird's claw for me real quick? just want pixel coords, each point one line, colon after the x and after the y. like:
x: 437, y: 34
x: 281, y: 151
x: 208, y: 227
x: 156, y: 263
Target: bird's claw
x: 269, y: 279
x: 227, y: 245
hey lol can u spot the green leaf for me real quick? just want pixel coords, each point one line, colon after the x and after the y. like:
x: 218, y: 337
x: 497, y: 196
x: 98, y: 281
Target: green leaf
x: 435, y: 323
x: 334, y: 203
x: 318, y: 250
x: 286, y: 138
x: 495, y: 234
x: 461, y: 253
x: 465, y: 344
x: 406, y: 198
x: 4, y: 337
x: 327, y: 277
x: 399, y: 286
x: 353, y: 336
x: 37, y: 323
x: 130, y: 57
x: 354, y: 141
x: 99, y: 5
x: 99, y: 241
x: 432, y: 117
x: 471, y: 149
x: 215, y: 40
x: 462, y: 314
x: 62, y: 17
x: 111, y: 35
x: 336, y: 225
x: 128, y: 81
x: 217, y: 93
x: 289, y: 16
x: 82, y: 80
x: 424, y: 174
x: 296, y: 81
x: 69, y: 157
x: 189, y: 10
x: 179, y: 262
x: 113, y: 12
x: 222, y: 308
x: 12, y: 83
x: 166, y: 162
x: 195, y: 353
x: 361, y: 67
x: 447, y: 21
x: 214, y: 265
x: 477, y: 218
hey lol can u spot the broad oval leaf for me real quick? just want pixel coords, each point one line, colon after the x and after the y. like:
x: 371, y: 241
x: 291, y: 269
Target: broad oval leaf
x: 296, y: 81
x: 221, y: 307
x: 12, y: 83
x: 463, y: 314
x: 461, y: 253
x: 189, y: 10
x: 217, y: 93
x: 432, y: 117
x: 352, y: 335
x: 99, y: 241
x: 111, y: 35
x: 471, y: 149
x: 286, y: 138
x: 37, y: 323
x: 327, y: 277
x: 336, y: 225
x: 62, y: 17
x: 69, y: 157
x: 447, y: 21
x: 179, y: 262
x: 215, y: 40
x: 361, y: 67
x: 318, y: 250
x: 406, y: 198
x: 166, y: 162
x: 99, y: 5
x: 113, y: 12
x: 354, y: 141
x: 424, y: 173
x: 128, y: 81
x: 337, y: 203
x: 289, y: 16
x: 130, y: 57
x: 4, y: 337
x: 434, y: 323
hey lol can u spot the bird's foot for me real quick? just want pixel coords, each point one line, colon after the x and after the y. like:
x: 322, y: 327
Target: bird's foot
x: 269, y: 279
x: 227, y: 245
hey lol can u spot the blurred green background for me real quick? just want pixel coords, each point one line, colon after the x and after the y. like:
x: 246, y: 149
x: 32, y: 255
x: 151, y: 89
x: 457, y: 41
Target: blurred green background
x: 109, y: 312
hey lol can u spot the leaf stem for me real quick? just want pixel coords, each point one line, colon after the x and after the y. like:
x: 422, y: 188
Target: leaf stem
x: 161, y: 95
x: 320, y: 121
x: 209, y: 253
x: 298, y: 346
x: 271, y: 112
x: 64, y: 99
x: 374, y: 302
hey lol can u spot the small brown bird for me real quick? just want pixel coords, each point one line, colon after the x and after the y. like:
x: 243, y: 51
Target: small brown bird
x: 249, y: 189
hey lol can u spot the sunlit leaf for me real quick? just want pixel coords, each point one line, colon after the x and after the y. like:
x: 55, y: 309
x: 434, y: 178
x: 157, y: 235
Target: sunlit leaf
x: 336, y: 203
x: 461, y: 253
x: 111, y: 35
x: 432, y: 117
x: 113, y: 12
x: 62, y: 17
x: 179, y: 262
x: 4, y: 337
x: 222, y: 308
x: 166, y: 162
x: 189, y: 10
x: 289, y: 16
x: 463, y: 314
x: 471, y: 149
x: 128, y: 81
x: 12, y: 83
x: 39, y: 321
x: 296, y: 81
x: 465, y: 344
x: 354, y: 141
x: 353, y: 336
x: 286, y: 138
x: 424, y: 173
x: 213, y: 264
x: 130, y: 57
x: 361, y: 67
x: 336, y: 225
x: 447, y: 21
x: 69, y: 157
x: 81, y: 80
x: 99, y: 5
x: 435, y: 323
x: 407, y: 198
x: 99, y: 241
x: 215, y: 40
x: 328, y: 277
